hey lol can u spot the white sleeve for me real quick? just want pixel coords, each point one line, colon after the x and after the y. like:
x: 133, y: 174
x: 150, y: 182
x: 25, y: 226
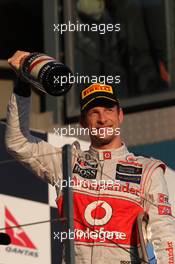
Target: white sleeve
x: 161, y: 222
x: 36, y: 154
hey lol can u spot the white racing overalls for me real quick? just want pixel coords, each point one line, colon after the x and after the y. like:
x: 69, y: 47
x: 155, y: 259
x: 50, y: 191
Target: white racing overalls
x: 110, y: 189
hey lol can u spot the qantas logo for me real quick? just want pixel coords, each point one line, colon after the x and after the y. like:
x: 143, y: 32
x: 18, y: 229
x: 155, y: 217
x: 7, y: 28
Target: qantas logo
x: 17, y: 235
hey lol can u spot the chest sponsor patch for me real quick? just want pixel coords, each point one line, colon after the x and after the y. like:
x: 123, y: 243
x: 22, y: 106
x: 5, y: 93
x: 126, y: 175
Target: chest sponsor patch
x: 128, y: 173
x: 85, y: 172
x: 129, y: 169
x: 106, y: 217
x: 128, y: 178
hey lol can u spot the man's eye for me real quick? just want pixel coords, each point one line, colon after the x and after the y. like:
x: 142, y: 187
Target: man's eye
x: 110, y: 109
x: 92, y: 114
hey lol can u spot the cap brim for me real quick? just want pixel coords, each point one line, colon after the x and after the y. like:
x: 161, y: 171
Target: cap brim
x: 100, y: 101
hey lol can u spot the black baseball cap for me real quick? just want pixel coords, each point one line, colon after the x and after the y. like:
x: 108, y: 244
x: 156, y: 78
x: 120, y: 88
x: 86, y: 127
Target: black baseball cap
x: 98, y: 94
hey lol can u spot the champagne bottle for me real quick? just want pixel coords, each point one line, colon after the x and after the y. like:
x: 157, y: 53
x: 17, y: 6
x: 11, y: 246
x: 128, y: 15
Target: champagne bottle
x: 46, y: 74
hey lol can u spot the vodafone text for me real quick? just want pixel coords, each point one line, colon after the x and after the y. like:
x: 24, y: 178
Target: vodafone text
x: 113, y: 185
x: 100, y: 234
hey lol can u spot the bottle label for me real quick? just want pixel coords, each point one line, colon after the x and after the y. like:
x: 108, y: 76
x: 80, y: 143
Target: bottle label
x: 33, y: 64
x: 46, y: 69
x: 40, y: 70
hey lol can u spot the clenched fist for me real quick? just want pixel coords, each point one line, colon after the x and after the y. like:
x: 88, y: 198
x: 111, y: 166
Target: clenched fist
x: 16, y: 59
x: 22, y: 87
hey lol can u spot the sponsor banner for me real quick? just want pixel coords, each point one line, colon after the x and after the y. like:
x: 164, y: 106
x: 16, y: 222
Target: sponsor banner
x: 29, y: 244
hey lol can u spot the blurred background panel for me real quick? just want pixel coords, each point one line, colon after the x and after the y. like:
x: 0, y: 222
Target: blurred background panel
x: 142, y: 53
x: 21, y: 26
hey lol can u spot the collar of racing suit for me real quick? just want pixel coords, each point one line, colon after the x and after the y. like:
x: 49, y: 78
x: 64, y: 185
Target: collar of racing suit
x: 109, y: 153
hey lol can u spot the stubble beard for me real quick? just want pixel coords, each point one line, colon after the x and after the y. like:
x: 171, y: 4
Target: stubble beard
x: 100, y: 141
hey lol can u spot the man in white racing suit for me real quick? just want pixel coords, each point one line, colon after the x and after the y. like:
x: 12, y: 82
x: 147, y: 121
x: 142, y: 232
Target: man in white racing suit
x: 111, y: 186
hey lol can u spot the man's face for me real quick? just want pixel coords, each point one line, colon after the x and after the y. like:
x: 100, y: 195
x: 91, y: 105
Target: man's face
x: 103, y: 123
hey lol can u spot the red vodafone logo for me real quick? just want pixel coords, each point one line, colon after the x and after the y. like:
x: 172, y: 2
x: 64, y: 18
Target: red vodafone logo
x: 98, y: 213
x: 106, y: 155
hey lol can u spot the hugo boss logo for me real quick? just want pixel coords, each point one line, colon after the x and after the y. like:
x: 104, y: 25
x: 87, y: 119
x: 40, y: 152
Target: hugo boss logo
x: 85, y: 172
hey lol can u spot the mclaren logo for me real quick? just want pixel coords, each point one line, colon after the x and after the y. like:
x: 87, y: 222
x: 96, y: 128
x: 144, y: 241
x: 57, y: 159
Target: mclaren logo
x: 98, y: 213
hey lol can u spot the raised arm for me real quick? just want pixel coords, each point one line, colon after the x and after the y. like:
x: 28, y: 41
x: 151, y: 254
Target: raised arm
x: 36, y: 154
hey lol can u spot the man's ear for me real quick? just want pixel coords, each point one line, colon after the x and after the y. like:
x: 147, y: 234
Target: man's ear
x: 121, y: 116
